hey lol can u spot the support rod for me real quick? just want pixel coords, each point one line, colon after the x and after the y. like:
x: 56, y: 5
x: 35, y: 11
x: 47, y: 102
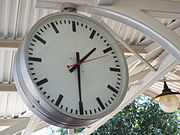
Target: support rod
x: 122, y: 42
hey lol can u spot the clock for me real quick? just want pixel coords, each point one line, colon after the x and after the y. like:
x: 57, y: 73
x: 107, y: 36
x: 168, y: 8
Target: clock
x: 70, y: 71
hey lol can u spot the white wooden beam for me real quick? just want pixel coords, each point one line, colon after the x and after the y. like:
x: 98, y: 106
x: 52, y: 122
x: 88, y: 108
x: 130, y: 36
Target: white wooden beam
x: 41, y: 125
x: 150, y: 93
x: 15, y: 128
x: 138, y: 76
x: 34, y: 121
x: 156, y: 8
x: 10, y: 122
x: 167, y: 65
x: 19, y: 124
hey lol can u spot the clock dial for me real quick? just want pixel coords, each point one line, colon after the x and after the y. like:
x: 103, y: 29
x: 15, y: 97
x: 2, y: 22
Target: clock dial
x: 75, y: 66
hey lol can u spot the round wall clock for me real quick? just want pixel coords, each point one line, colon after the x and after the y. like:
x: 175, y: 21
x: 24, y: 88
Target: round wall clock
x: 70, y: 70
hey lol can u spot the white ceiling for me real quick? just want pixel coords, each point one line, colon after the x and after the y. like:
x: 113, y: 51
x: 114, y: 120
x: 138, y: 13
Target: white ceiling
x: 18, y: 16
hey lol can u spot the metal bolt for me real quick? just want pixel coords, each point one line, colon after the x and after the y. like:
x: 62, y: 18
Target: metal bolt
x: 69, y: 7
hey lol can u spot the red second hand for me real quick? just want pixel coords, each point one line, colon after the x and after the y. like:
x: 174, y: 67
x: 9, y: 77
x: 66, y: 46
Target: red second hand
x: 79, y: 63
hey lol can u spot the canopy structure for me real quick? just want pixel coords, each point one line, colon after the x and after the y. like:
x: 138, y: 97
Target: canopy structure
x: 147, y: 30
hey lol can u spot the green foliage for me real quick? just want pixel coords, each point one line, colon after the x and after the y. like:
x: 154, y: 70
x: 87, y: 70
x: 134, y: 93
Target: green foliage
x: 142, y: 117
x: 56, y: 130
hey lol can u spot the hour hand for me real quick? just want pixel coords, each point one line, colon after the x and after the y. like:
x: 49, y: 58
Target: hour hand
x: 82, y: 60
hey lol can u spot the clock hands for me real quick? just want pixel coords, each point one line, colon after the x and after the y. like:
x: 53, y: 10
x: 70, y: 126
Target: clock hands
x: 79, y: 63
x: 79, y: 84
x: 82, y: 60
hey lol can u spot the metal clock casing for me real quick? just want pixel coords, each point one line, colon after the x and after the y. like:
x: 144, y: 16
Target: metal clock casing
x: 33, y: 85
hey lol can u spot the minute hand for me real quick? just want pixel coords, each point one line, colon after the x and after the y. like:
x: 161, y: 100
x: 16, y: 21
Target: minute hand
x: 82, y: 60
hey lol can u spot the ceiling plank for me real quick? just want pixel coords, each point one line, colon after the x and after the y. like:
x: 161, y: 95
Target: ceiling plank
x: 11, y: 122
x: 9, y: 44
x: 16, y: 44
x: 7, y: 88
x: 15, y: 128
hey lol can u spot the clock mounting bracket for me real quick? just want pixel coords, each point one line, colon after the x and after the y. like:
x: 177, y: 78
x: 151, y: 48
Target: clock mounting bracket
x: 69, y: 7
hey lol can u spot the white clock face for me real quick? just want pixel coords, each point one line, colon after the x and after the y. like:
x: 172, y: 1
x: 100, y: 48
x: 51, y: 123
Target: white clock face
x: 76, y: 66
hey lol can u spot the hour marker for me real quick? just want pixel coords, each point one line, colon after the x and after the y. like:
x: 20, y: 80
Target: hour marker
x: 100, y: 103
x: 33, y: 40
x: 54, y: 27
x: 95, y: 110
x: 107, y: 49
x: 113, y: 89
x: 38, y: 33
x: 73, y: 26
x: 44, y: 92
x: 41, y: 30
x: 40, y: 39
x: 56, y: 22
x: 45, y: 27
x: 92, y: 34
x: 32, y: 44
x: 34, y: 59
x: 59, y: 100
x: 118, y: 83
x: 30, y: 63
x: 31, y: 68
x: 114, y: 69
x: 45, y: 80
x: 81, y: 108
